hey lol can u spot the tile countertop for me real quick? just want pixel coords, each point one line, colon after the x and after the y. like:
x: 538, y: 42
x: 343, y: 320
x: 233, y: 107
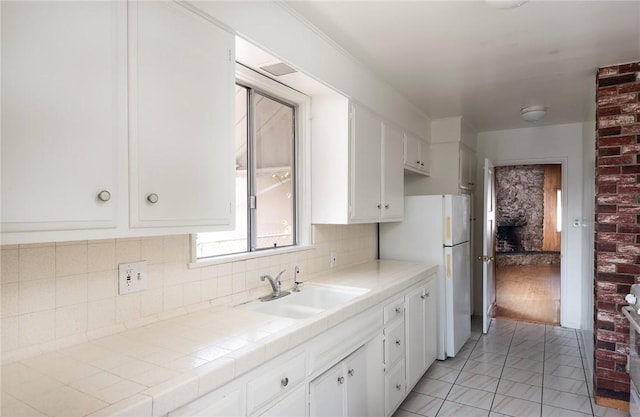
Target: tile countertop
x: 151, y: 370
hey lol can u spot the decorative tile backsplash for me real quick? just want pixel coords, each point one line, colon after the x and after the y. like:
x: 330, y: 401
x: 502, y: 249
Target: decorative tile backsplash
x: 59, y: 293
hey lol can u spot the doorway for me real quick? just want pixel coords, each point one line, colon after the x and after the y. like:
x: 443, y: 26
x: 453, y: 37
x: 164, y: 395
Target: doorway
x: 528, y: 242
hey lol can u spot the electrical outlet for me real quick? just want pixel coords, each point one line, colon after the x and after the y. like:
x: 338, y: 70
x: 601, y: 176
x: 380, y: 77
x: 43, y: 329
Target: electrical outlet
x: 132, y: 277
x: 333, y: 260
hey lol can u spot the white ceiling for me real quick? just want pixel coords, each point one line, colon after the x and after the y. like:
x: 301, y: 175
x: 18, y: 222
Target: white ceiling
x: 467, y: 58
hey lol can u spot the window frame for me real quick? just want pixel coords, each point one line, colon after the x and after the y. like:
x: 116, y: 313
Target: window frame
x: 302, y: 167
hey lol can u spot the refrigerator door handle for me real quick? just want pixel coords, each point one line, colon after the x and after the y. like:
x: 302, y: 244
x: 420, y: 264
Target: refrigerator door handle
x: 447, y: 228
x: 448, y: 266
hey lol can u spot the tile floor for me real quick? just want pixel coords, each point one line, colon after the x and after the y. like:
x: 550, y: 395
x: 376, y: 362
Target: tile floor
x: 518, y: 369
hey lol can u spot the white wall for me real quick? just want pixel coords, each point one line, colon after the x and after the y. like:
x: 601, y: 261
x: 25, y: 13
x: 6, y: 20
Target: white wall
x: 279, y: 31
x: 546, y: 144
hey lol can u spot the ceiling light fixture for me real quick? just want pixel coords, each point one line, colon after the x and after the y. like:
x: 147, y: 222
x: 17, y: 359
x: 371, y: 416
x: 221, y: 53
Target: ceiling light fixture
x: 505, y: 4
x: 533, y: 113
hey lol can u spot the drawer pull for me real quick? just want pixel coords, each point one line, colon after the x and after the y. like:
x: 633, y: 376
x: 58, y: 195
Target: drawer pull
x: 341, y: 380
x: 152, y: 198
x: 398, y: 310
x: 423, y: 296
x: 350, y: 372
x: 398, y: 342
x: 284, y: 381
x: 398, y: 387
x: 104, y: 195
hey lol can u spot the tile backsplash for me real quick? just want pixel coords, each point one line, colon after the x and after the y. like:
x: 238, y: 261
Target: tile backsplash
x: 59, y: 293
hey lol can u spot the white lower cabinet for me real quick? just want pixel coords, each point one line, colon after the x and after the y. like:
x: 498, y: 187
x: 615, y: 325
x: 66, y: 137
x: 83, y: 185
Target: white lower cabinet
x: 293, y: 405
x: 420, y: 330
x: 395, y: 387
x: 224, y: 402
x: 364, y: 366
x: 342, y: 390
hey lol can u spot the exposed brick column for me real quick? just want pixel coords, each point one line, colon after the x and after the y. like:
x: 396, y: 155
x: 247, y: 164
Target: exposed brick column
x: 617, y: 238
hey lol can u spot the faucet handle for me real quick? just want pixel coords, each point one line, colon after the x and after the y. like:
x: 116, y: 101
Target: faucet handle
x: 280, y: 274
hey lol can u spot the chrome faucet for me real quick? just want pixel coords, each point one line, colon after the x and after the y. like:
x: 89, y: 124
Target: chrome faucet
x: 275, y: 285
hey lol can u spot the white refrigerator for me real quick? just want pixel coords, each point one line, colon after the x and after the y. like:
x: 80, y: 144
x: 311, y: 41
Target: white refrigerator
x: 436, y: 230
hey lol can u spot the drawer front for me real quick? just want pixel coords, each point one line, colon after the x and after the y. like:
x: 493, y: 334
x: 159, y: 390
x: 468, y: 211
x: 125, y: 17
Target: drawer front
x: 395, y: 388
x: 394, y: 340
x: 275, y: 382
x: 394, y: 310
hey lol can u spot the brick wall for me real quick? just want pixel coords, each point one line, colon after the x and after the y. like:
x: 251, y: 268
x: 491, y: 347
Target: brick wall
x: 617, y: 239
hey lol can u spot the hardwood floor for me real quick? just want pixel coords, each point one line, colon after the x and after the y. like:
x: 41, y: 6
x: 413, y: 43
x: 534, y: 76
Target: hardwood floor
x: 529, y: 293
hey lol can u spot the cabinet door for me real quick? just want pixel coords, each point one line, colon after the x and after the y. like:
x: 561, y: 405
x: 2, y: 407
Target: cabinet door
x: 467, y: 168
x: 357, y: 383
x: 393, y: 174
x: 412, y: 157
x: 430, y: 311
x: 366, y: 167
x: 63, y: 114
x: 326, y: 393
x: 293, y: 405
x: 181, y: 111
x: 415, y: 335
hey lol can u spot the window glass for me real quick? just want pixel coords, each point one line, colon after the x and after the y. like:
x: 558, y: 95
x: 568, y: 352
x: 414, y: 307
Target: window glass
x: 265, y: 178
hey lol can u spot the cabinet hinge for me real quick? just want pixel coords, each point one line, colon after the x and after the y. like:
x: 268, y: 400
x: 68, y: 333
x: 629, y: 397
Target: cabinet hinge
x: 252, y: 202
x: 230, y: 55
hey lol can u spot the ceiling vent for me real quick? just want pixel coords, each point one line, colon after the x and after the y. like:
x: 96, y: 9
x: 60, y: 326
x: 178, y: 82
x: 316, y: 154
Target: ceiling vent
x: 278, y: 69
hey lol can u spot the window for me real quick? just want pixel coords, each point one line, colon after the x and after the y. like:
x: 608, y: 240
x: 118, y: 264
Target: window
x: 266, y: 176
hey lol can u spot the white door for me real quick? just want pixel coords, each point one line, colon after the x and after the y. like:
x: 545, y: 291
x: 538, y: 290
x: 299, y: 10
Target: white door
x: 326, y: 393
x: 366, y: 167
x: 63, y: 114
x: 181, y: 111
x: 488, y: 247
x: 415, y: 335
x: 393, y: 174
x: 357, y: 401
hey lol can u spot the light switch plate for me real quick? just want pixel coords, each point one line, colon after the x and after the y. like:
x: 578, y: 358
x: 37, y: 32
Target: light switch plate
x: 132, y: 277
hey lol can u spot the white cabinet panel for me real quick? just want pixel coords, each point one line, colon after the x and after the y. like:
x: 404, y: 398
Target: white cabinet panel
x: 366, y: 167
x: 180, y: 102
x: 326, y: 393
x: 275, y: 382
x: 357, y: 167
x: 395, y: 388
x: 293, y: 405
x: 393, y: 173
x: 63, y: 114
x: 416, y: 155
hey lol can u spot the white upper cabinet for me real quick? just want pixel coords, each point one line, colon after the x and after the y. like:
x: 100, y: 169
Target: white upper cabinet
x: 108, y: 107
x: 393, y: 178
x: 357, y: 168
x: 63, y: 115
x: 180, y: 105
x: 416, y: 155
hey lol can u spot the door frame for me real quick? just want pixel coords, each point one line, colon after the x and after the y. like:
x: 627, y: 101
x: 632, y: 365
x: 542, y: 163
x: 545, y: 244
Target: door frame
x: 563, y: 162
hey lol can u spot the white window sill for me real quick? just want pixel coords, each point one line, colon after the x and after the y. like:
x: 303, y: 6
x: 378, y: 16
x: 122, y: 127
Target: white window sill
x: 247, y: 255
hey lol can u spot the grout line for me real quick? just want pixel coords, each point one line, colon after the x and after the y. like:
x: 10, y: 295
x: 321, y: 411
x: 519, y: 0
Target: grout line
x: 493, y: 400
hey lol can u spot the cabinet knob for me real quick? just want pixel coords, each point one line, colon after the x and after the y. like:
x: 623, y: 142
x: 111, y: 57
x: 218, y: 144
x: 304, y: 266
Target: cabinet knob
x: 418, y: 162
x: 152, y: 198
x: 422, y: 164
x: 398, y: 387
x: 340, y: 380
x: 386, y: 206
x: 397, y: 342
x: 351, y: 372
x: 379, y: 206
x: 284, y: 382
x: 423, y: 296
x: 398, y: 310
x: 104, y: 195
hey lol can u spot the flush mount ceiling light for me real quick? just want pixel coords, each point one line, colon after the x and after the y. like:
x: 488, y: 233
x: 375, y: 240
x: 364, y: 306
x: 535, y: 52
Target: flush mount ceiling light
x: 505, y: 4
x: 533, y: 113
